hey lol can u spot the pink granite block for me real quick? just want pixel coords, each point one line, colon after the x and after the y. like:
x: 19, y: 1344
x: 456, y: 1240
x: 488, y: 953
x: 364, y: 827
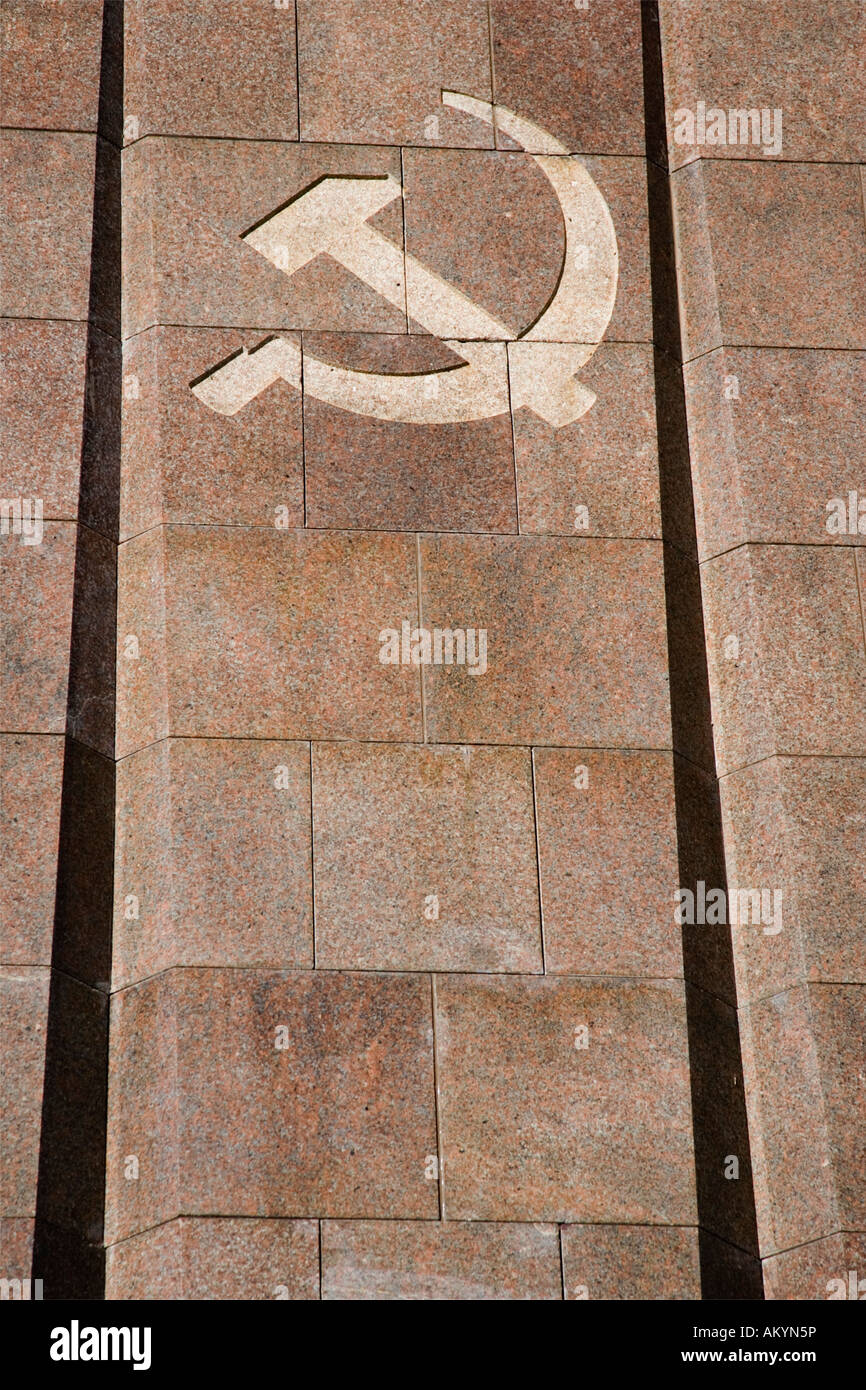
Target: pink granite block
x: 463, y: 1261
x: 213, y: 842
x: 576, y: 652
x: 616, y: 1263
x: 31, y: 774
x: 608, y: 860
x: 786, y: 653
x: 564, y: 1099
x: 185, y: 463
x: 777, y: 439
x: 197, y: 1258
x: 24, y: 1003
x: 198, y: 68
x: 373, y: 71
x: 425, y: 858
x: 49, y: 76
x: 770, y: 255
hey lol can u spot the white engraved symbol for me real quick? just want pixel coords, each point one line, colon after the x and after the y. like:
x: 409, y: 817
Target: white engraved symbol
x: 539, y: 367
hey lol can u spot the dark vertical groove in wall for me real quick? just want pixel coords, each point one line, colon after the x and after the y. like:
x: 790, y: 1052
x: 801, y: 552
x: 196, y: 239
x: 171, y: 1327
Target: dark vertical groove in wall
x: 726, y: 1210
x: 70, y: 1198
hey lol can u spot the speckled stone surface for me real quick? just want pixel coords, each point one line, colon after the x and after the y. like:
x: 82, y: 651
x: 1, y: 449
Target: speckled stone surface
x: 799, y: 681
x: 201, y: 1258
x: 31, y: 769
x: 144, y: 1098
x: 36, y: 616
x: 771, y: 255
x: 147, y: 1266
x: 42, y: 401
x: 630, y: 1262
x: 775, y: 436
x: 340, y: 1120
x: 272, y: 635
x: 838, y: 1017
x: 608, y: 862
x: 804, y: 59
x: 16, y: 1246
x: 366, y: 473
x: 184, y: 463
x: 142, y: 678
x: 574, y: 630
x: 52, y: 668
x: 489, y: 224
x: 24, y: 1005
x: 576, y: 72
x: 607, y: 461
x: 309, y: 1080
x: 798, y: 825
x: 146, y: 936
x: 623, y: 184
x: 49, y: 71
x: 454, y: 1260
x: 213, y: 840
x: 372, y: 71
x: 762, y: 853
x: 47, y: 183
x: 537, y: 1128
x: 739, y: 221
x: 861, y: 585
x: 187, y: 204
x: 802, y: 1051
x: 396, y: 828
x: 821, y: 1270
x: 196, y: 68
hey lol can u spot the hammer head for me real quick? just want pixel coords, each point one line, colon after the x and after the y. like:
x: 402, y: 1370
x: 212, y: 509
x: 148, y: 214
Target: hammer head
x: 321, y: 217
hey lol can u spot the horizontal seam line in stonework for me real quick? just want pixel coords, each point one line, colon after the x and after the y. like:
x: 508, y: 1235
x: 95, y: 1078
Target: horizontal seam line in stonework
x: 802, y: 983
x: 642, y: 1225
x: 53, y: 318
x: 554, y: 535
x: 257, y: 528
x: 78, y: 522
x: 757, y: 347
x: 378, y: 743
x: 411, y: 1220
x: 425, y: 534
x: 606, y: 341
x: 446, y: 971
x: 768, y: 347
x: 804, y: 1245
x: 62, y: 130
x: 299, y: 142
x: 308, y: 972
x: 46, y: 966
x: 854, y: 162
x: 268, y: 526
x: 850, y: 544
x: 38, y: 733
x: 821, y: 757
x: 60, y: 733
x: 48, y: 318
